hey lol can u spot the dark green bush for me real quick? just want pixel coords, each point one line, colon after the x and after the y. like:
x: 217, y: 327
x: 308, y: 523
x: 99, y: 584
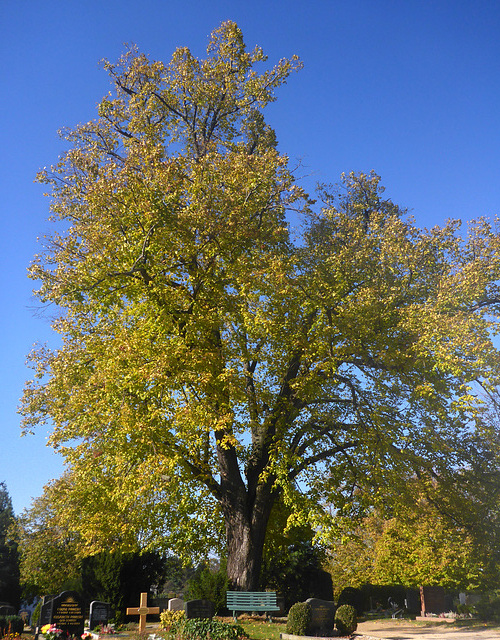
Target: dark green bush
x: 194, y: 629
x: 209, y: 585
x: 346, y: 620
x: 354, y: 597
x: 488, y: 608
x: 299, y: 619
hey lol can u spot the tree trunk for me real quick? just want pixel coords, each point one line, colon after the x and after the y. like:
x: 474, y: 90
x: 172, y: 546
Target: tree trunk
x: 245, y: 545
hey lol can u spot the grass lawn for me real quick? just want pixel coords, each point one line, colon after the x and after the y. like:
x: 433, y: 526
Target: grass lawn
x: 261, y: 630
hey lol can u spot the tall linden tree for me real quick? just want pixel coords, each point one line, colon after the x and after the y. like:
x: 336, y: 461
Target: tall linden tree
x: 210, y: 364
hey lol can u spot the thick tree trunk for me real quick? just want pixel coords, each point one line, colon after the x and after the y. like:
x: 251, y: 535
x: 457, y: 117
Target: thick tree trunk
x: 245, y: 544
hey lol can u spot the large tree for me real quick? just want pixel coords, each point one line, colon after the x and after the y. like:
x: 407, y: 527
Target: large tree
x: 211, y: 362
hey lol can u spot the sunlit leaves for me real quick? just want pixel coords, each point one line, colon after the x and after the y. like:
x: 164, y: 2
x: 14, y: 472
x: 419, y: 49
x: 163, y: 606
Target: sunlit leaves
x: 209, y: 362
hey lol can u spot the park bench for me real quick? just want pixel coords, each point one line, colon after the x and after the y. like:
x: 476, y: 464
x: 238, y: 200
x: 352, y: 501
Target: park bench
x: 251, y: 601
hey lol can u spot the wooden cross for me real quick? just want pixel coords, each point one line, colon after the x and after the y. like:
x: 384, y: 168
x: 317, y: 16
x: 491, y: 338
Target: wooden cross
x: 142, y: 611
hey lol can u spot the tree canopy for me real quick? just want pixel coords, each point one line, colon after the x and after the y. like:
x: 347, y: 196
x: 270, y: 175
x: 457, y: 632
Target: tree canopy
x: 212, y: 362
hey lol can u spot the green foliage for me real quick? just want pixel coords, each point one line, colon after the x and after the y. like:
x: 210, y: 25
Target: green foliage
x: 346, y: 620
x: 48, y: 548
x: 117, y: 577
x: 488, y: 608
x: 10, y: 588
x: 353, y: 597
x: 35, y: 616
x: 211, y: 363
x: 429, y: 537
x: 209, y: 584
x: 206, y: 630
x: 176, y: 576
x: 299, y: 619
x: 295, y: 571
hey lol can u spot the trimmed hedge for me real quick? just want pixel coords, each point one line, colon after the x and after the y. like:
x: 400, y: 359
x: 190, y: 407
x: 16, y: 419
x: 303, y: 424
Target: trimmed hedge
x: 346, y: 620
x: 299, y: 619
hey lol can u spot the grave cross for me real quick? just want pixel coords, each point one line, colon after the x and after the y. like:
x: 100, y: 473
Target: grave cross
x: 142, y: 611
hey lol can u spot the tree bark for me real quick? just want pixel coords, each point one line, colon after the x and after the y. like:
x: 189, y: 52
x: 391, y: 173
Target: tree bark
x: 246, y: 509
x: 245, y: 535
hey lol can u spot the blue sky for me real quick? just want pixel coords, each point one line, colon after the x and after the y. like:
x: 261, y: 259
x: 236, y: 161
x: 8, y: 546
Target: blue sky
x: 409, y: 88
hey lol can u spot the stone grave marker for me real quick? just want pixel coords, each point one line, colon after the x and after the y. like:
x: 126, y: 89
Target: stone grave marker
x: 100, y: 613
x: 46, y: 611
x: 7, y: 609
x: 68, y: 613
x: 199, y: 609
x: 323, y: 615
x: 412, y: 601
x: 142, y: 611
x: 432, y: 600
x: 176, y: 604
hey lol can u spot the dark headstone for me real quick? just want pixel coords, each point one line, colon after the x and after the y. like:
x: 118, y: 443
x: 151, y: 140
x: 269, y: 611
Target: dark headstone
x: 68, y: 613
x: 412, y: 601
x: 322, y: 616
x: 46, y: 611
x: 7, y: 609
x: 432, y: 600
x: 100, y: 613
x: 199, y: 609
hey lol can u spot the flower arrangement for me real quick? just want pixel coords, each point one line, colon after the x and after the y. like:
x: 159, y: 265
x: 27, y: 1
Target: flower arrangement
x: 107, y: 629
x: 87, y: 636
x: 50, y: 631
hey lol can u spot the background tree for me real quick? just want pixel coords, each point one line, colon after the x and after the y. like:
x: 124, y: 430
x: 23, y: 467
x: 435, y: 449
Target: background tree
x: 10, y: 590
x: 211, y: 364
x: 446, y: 535
x: 49, y: 557
x: 209, y: 582
x: 292, y: 563
x: 117, y: 577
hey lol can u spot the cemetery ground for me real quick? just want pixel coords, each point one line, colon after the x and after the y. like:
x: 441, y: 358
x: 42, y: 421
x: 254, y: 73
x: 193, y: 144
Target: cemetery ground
x: 258, y: 628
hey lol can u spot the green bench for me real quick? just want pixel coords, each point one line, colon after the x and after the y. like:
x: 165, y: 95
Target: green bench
x: 251, y: 601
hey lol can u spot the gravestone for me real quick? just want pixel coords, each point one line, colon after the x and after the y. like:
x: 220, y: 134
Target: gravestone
x: 432, y: 600
x: 322, y: 616
x: 6, y: 609
x: 199, y: 609
x: 100, y: 613
x: 176, y: 604
x: 412, y: 601
x: 46, y: 611
x: 68, y: 613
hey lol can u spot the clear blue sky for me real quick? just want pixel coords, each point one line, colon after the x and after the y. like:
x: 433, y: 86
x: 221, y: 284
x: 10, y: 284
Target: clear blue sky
x: 409, y: 88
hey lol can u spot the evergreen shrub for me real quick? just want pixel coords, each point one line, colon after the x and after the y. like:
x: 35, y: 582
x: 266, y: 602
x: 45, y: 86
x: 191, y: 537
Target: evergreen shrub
x: 35, y: 616
x: 354, y: 597
x: 488, y: 608
x: 346, y: 620
x: 209, y: 585
x: 299, y: 619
